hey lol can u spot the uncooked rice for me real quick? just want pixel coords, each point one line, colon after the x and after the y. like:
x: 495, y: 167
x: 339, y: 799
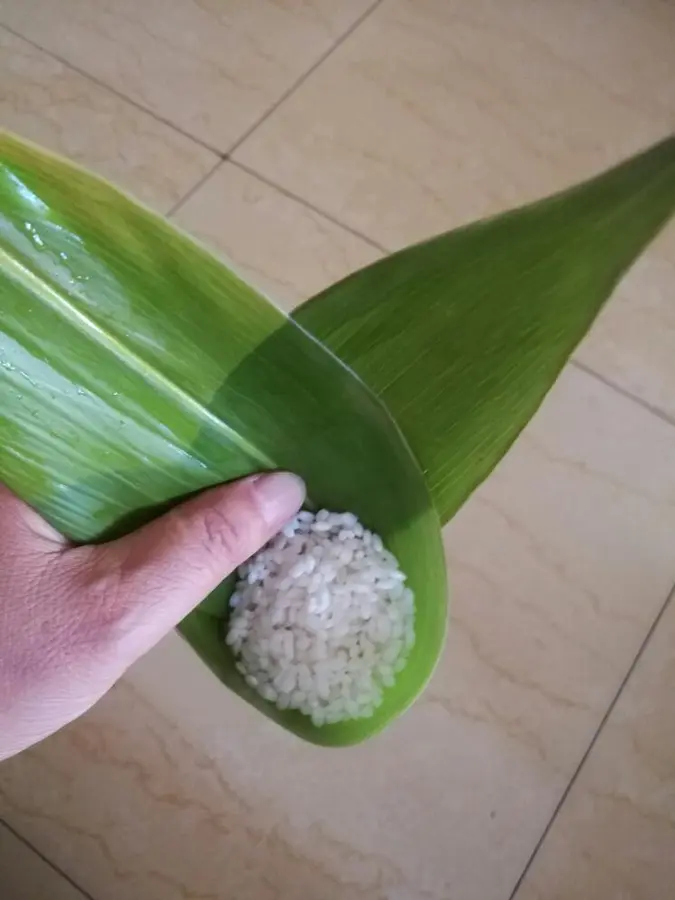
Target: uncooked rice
x: 321, y: 620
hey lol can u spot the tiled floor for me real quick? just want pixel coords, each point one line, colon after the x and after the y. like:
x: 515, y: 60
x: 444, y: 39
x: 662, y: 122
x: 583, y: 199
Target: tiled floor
x: 541, y: 761
x: 26, y: 876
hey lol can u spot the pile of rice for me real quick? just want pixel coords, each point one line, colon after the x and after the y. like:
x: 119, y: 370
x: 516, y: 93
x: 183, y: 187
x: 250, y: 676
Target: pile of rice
x: 321, y: 618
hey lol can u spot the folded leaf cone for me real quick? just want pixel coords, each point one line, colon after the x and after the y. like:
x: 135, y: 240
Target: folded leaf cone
x: 136, y: 368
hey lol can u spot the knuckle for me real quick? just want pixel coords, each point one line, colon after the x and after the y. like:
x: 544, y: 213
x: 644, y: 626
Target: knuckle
x: 226, y: 534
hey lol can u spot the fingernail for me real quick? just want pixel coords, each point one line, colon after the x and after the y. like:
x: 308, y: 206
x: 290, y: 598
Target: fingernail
x: 280, y: 495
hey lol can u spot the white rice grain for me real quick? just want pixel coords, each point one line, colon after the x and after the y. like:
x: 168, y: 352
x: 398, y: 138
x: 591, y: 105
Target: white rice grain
x: 321, y: 620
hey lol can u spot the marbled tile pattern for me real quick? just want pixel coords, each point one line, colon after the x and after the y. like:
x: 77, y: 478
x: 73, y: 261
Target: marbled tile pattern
x: 615, y: 834
x: 47, y: 102
x: 210, y: 68
x: 509, y: 771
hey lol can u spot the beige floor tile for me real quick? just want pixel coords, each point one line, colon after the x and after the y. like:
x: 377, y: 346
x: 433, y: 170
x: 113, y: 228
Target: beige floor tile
x: 50, y: 104
x: 281, y: 246
x: 25, y: 876
x: 614, y: 838
x: 211, y: 68
x: 172, y: 787
x: 633, y: 341
x: 437, y: 112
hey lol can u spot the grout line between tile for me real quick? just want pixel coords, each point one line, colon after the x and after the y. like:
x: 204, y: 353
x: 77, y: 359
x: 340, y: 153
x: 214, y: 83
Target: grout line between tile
x: 222, y: 156
x: 195, y: 187
x: 59, y: 871
x: 582, y: 762
x: 305, y: 75
x: 249, y: 131
x: 307, y: 204
x: 624, y: 392
x: 112, y: 90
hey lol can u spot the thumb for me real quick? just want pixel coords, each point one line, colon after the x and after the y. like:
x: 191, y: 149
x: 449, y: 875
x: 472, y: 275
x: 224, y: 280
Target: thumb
x: 147, y: 582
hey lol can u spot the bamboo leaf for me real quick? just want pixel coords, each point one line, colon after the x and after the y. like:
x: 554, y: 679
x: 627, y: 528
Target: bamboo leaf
x: 136, y: 368
x: 462, y: 336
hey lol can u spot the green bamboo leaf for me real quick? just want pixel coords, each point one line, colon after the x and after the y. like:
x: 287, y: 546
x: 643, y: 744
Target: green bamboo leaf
x: 462, y: 336
x: 136, y: 368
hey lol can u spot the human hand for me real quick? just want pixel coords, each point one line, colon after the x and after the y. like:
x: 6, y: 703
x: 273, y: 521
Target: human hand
x: 73, y: 619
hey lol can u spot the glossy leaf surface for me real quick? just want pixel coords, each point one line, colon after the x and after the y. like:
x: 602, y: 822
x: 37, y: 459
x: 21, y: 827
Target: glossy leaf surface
x: 136, y: 368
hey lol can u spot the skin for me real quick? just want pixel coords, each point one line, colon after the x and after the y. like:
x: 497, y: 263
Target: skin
x: 73, y: 619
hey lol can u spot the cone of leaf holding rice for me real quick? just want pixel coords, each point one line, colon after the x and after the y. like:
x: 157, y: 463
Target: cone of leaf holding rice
x: 136, y: 368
